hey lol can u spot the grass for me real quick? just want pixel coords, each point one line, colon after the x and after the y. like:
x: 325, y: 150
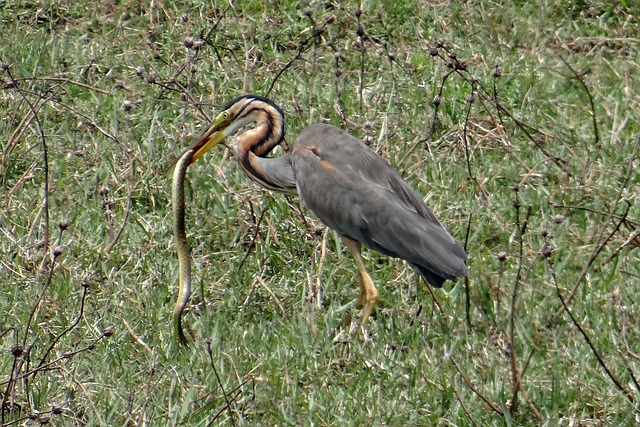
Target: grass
x: 529, y: 156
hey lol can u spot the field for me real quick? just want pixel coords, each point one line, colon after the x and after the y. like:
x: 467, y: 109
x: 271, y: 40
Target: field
x: 518, y: 123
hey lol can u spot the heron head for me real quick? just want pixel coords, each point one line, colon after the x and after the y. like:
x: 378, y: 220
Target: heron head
x: 214, y: 135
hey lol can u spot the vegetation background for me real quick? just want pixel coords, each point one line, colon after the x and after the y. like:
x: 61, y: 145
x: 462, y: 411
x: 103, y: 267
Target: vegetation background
x: 518, y: 122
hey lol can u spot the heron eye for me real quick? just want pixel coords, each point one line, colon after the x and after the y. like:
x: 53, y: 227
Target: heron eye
x: 225, y: 115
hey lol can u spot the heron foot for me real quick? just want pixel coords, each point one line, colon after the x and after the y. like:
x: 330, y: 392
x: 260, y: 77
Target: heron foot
x: 367, y: 298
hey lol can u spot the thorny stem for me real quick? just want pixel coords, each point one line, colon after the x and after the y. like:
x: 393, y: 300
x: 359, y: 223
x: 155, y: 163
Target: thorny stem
x: 515, y: 375
x: 45, y: 161
x: 627, y: 393
x: 224, y: 393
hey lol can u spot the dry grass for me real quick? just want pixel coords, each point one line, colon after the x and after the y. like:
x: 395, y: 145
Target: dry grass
x: 528, y: 154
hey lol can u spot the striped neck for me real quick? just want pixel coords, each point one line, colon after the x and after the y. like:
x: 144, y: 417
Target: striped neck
x: 269, y: 122
x: 253, y: 145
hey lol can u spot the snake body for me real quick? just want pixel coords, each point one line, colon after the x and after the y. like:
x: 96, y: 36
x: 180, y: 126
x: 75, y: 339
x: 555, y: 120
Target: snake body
x: 182, y: 246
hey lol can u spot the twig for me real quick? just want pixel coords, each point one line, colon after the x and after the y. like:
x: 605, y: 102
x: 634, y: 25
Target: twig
x: 97, y: 413
x: 596, y: 132
x: 464, y: 133
x: 627, y: 221
x: 301, y: 48
x: 143, y: 419
x: 45, y: 161
x: 64, y: 81
x: 602, y: 243
x: 435, y: 300
x: 69, y: 328
x: 467, y: 381
x: 596, y: 252
x: 215, y: 371
x: 253, y: 240
x: 266, y: 288
x: 467, y: 302
x: 547, y: 251
x: 520, y: 227
x: 437, y: 100
x: 464, y: 408
x: 129, y: 161
x: 137, y: 338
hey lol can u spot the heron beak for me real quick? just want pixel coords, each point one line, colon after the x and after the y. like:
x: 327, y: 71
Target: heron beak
x: 209, y: 139
x: 212, y: 137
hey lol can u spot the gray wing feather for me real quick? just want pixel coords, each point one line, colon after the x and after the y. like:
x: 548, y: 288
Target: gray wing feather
x: 358, y: 194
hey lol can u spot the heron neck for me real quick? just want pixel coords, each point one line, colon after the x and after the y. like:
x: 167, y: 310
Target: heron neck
x: 272, y: 173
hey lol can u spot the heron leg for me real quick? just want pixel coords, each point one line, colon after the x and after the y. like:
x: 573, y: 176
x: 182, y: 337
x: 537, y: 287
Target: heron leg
x: 368, y: 294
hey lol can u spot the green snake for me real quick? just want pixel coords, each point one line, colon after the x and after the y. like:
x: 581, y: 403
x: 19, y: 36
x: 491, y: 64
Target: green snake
x: 182, y: 246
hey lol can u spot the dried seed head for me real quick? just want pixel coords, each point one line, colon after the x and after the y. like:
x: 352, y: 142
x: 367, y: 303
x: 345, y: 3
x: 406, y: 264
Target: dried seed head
x: 437, y: 100
x: 308, y: 12
x: 188, y: 42
x: 4, y: 66
x: 57, y: 250
x: 56, y: 410
x: 109, y: 331
x: 85, y: 283
x: 502, y: 256
x: 17, y: 350
x: 360, y: 31
x: 460, y: 65
x: 358, y: 12
x: 497, y: 72
x: 63, y: 224
x: 547, y: 251
x: 127, y: 105
x: 151, y: 78
x: 103, y: 191
x: 433, y: 51
x: 140, y: 71
x: 558, y: 219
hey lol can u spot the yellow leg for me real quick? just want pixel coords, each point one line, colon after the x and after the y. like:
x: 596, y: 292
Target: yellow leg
x: 368, y: 294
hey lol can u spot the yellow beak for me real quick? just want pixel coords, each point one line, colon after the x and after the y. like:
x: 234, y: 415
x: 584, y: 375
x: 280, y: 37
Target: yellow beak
x: 209, y: 139
x: 212, y: 137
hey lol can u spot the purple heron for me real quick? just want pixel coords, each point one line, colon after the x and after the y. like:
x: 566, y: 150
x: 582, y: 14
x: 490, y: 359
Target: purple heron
x: 348, y: 186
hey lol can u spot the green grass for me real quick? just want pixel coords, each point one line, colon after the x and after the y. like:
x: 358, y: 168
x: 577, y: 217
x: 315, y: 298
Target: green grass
x: 71, y: 68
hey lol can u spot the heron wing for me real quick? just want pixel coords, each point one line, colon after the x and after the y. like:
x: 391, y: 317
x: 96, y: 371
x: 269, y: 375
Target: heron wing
x: 358, y: 194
